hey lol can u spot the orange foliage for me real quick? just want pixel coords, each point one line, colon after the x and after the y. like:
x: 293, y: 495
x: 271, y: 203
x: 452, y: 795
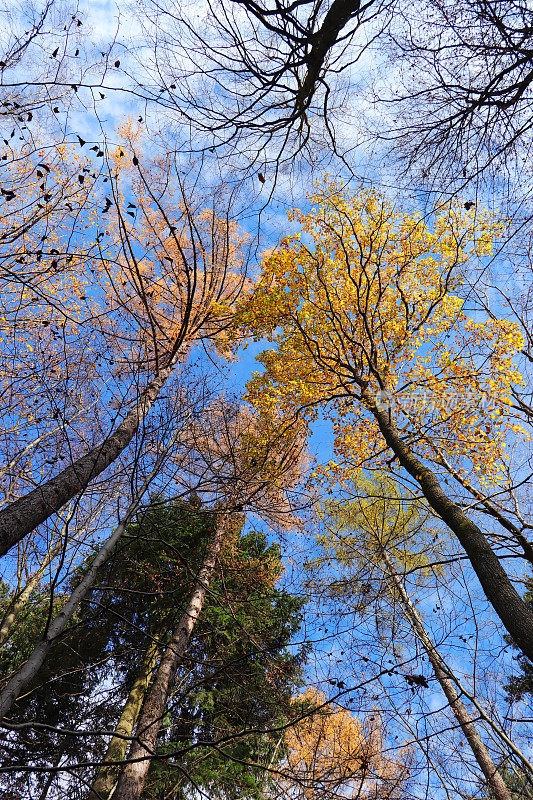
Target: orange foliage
x: 331, y: 754
x: 105, y: 277
x: 255, y: 460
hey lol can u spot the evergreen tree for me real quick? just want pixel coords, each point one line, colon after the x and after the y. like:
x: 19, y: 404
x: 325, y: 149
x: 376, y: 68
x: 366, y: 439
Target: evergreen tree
x: 241, y: 678
x: 238, y: 673
x: 522, y: 684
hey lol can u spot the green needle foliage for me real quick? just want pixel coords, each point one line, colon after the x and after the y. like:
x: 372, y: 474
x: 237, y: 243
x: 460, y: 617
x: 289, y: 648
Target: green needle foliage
x: 232, y: 688
x: 522, y: 684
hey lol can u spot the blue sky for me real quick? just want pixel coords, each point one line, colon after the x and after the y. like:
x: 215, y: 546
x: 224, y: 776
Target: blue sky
x: 103, y: 19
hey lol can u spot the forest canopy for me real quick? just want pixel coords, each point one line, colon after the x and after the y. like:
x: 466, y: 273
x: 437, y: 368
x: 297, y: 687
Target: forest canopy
x: 265, y: 400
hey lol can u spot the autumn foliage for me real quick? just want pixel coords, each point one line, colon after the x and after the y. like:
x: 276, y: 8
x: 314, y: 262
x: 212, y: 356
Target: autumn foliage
x: 183, y: 554
x: 365, y: 301
x: 330, y: 754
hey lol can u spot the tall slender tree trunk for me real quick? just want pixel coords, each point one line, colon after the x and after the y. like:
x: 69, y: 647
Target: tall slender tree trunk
x: 481, y: 754
x: 52, y: 776
x: 25, y: 514
x: 27, y: 450
x: 116, y: 750
x: 20, y: 601
x: 29, y: 669
x: 500, y: 592
x: 132, y: 779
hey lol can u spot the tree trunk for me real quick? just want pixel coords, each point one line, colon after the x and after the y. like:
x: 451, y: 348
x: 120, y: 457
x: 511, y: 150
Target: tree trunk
x: 27, y: 450
x: 500, y: 592
x: 131, y: 782
x: 51, y: 777
x: 29, y: 669
x: 338, y: 15
x: 116, y: 750
x: 47, y: 785
x: 481, y: 754
x: 25, y: 514
x: 20, y: 601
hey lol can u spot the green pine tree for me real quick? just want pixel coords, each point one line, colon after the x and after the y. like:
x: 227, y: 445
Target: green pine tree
x: 238, y: 673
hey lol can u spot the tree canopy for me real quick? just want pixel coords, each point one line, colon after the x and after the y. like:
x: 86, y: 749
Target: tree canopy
x: 309, y: 578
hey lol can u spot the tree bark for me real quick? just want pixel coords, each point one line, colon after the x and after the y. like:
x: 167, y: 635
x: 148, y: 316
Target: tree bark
x: 511, y: 609
x: 481, y: 754
x: 25, y: 514
x: 131, y: 782
x: 338, y: 15
x: 116, y: 750
x: 29, y: 669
